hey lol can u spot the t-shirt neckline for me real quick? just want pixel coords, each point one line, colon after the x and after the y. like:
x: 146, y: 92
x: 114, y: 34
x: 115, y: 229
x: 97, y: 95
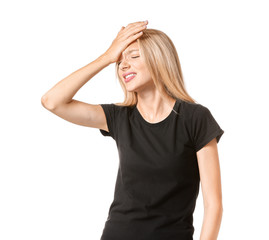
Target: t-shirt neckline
x: 157, y: 124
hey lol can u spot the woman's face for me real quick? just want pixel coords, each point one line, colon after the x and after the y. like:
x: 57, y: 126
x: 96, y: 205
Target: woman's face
x: 131, y: 61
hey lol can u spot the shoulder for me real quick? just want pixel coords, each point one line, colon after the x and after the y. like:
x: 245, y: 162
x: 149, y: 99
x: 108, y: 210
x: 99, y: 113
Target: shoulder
x: 114, y: 106
x: 196, y: 114
x: 201, y: 124
x: 121, y: 108
x: 115, y: 109
x: 191, y: 110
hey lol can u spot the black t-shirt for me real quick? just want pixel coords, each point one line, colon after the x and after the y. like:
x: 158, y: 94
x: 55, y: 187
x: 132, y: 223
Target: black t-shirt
x: 158, y: 176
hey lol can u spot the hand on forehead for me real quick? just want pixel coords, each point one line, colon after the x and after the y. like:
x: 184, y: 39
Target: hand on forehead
x: 133, y: 47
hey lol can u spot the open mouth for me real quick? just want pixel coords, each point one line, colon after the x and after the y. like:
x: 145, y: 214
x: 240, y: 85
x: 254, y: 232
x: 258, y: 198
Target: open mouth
x: 129, y: 77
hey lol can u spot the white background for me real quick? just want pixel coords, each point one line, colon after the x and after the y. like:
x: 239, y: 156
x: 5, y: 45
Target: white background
x: 56, y: 178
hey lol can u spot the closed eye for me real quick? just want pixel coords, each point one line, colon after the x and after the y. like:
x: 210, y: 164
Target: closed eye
x: 132, y: 57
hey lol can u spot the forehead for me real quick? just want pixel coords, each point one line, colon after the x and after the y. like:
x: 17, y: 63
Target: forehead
x: 132, y: 47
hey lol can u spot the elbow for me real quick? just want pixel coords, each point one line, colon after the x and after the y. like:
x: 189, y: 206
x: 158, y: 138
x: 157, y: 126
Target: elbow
x: 215, y: 209
x: 216, y: 205
x: 46, y: 103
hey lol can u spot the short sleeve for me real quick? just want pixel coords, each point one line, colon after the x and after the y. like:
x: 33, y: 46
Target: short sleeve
x: 110, y: 113
x: 204, y: 127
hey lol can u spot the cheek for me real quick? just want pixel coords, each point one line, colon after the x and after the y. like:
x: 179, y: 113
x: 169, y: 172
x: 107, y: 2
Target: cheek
x: 146, y: 74
x: 142, y: 69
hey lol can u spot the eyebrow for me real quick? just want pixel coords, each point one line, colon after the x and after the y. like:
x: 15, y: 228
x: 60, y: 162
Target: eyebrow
x: 131, y: 50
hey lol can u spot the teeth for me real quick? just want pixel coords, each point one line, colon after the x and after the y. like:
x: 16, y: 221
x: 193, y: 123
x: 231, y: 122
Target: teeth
x: 132, y: 74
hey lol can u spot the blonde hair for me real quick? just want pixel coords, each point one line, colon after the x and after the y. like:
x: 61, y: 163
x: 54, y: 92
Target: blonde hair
x: 162, y: 61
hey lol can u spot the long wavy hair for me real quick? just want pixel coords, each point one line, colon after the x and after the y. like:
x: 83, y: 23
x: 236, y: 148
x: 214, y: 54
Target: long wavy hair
x: 162, y: 61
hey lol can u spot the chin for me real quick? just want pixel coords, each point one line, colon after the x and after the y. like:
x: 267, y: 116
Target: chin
x: 131, y: 89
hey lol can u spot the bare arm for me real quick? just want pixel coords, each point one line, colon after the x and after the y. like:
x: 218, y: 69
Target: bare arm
x: 64, y: 91
x: 209, y: 169
x: 59, y: 99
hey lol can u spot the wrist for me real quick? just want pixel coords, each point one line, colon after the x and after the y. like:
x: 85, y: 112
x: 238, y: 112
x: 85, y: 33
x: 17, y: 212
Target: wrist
x: 104, y: 57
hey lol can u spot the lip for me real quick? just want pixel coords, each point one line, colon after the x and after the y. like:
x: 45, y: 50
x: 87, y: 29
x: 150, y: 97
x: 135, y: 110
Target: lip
x: 129, y: 79
x: 125, y: 74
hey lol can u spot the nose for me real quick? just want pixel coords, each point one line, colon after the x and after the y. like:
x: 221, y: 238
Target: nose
x: 124, y: 64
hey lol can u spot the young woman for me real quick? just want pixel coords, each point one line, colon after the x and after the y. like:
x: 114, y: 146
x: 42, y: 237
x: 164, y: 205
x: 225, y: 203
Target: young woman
x: 167, y: 142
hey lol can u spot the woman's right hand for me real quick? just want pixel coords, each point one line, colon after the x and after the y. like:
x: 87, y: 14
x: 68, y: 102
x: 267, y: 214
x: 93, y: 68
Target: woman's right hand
x: 124, y: 37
